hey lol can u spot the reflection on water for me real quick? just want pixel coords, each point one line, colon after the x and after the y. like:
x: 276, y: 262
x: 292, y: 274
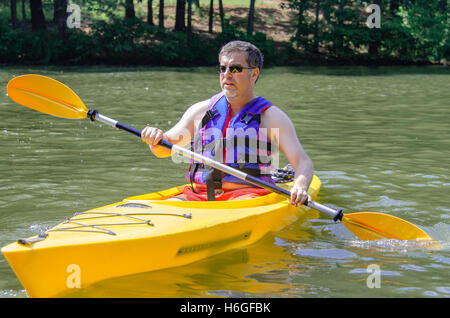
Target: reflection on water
x: 245, y: 272
x: 379, y: 140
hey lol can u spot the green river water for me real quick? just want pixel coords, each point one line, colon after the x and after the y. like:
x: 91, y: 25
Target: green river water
x: 379, y: 139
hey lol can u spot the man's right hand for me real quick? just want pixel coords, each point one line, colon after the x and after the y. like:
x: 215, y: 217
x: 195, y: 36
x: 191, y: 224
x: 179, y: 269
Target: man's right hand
x: 151, y: 136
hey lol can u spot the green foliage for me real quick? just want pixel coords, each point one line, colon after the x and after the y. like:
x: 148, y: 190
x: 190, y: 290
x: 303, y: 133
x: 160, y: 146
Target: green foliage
x: 125, y: 42
x: 29, y: 47
x: 429, y: 29
x: 272, y: 56
x: 416, y: 33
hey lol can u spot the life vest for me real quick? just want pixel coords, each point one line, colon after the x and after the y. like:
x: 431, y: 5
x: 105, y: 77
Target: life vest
x: 238, y: 142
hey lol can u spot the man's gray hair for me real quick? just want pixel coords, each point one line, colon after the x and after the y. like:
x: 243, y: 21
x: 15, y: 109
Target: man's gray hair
x: 253, y: 55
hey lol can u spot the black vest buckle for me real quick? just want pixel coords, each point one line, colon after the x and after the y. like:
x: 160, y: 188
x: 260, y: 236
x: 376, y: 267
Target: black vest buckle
x: 247, y: 118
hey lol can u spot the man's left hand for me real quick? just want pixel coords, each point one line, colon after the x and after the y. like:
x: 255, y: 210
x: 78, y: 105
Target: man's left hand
x: 299, y: 195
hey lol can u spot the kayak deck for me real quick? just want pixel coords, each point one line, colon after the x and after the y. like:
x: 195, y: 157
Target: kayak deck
x: 143, y: 233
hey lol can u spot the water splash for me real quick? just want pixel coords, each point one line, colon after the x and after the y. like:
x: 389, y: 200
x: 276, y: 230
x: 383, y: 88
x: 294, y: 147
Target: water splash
x: 397, y: 245
x: 10, y: 293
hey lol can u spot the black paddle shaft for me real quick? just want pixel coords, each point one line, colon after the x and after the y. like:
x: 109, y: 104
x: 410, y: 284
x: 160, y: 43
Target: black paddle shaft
x: 335, y: 214
x: 95, y: 115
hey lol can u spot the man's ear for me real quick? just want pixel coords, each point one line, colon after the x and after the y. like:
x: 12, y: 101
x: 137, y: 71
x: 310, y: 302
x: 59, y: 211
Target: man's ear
x: 255, y: 74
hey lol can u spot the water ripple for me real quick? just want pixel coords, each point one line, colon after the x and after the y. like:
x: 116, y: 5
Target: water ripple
x: 334, y: 253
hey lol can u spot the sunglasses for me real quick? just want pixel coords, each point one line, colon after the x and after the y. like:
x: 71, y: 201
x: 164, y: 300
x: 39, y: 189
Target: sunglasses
x: 233, y: 68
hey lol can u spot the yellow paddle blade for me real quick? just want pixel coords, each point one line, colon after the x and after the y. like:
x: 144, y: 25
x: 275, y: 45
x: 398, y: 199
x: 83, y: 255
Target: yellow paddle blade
x: 375, y: 226
x: 46, y: 95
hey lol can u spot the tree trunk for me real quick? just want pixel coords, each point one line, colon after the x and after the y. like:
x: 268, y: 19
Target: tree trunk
x: 56, y: 6
x: 61, y: 19
x: 57, y: 10
x: 341, y: 11
x: 251, y: 17
x: 14, y: 21
x: 129, y: 9
x: 222, y: 15
x: 180, y: 23
x: 393, y: 6
x: 189, y: 17
x: 161, y: 14
x: 316, y: 28
x: 24, y: 17
x: 150, y: 12
x: 211, y: 16
x: 443, y: 6
x: 373, y: 46
x: 37, y: 15
x: 300, y: 17
x: 340, y: 20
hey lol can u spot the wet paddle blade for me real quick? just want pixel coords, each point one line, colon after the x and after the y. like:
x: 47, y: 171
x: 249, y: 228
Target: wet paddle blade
x: 46, y: 95
x: 375, y: 226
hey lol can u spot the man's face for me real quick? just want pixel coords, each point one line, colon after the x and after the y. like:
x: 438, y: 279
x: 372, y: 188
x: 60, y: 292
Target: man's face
x: 237, y: 84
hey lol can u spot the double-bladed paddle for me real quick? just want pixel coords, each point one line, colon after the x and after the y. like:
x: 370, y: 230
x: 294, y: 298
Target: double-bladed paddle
x: 49, y: 96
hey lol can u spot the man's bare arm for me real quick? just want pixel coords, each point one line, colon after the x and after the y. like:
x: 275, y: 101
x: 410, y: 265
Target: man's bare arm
x: 180, y: 134
x: 290, y: 146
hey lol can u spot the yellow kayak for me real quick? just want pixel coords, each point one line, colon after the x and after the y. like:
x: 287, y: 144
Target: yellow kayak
x: 143, y: 233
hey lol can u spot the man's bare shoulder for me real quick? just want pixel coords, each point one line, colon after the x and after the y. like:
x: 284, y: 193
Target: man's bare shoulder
x: 203, y: 105
x: 195, y: 111
x: 274, y: 117
x: 186, y: 125
x: 198, y: 110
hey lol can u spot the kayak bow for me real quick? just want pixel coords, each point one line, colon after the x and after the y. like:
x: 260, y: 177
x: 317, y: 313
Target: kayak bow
x: 143, y: 233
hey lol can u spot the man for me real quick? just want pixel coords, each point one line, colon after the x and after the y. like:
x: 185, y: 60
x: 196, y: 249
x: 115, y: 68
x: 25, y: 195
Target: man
x: 239, y: 108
